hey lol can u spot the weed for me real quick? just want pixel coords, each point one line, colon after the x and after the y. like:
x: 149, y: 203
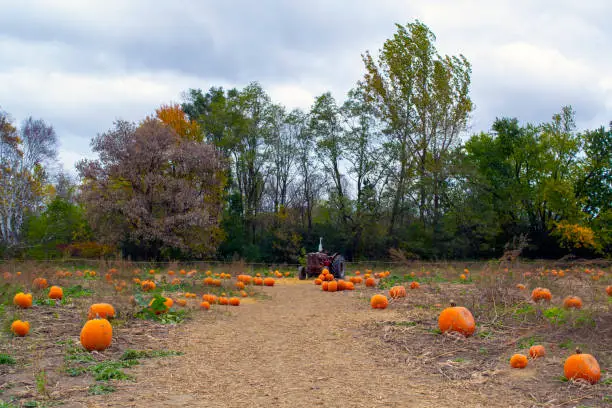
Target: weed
x: 567, y: 344
x: 6, y: 359
x: 485, y: 334
x: 77, y: 291
x: 41, y: 382
x: 528, y: 342
x: 111, y: 370
x: 556, y: 315
x: 101, y: 389
x: 130, y: 354
x: 7, y: 404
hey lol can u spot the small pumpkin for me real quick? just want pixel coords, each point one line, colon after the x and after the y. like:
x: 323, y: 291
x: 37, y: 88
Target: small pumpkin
x: 147, y: 285
x: 415, y: 285
x: 205, y: 305
x: 101, y: 311
x: 240, y: 285
x: 332, y: 286
x: 258, y: 281
x: 324, y: 286
x: 269, y: 282
x: 329, y: 277
x: 537, y: 351
x: 609, y: 290
x: 243, y: 293
x: 370, y: 282
x: 379, y: 302
x: 518, y: 361
x: 349, y: 286
x: 541, y: 294
x: 97, y: 334
x: 181, y: 302
x: 20, y: 328
x: 23, y: 300
x: 168, y: 303
x: 397, y: 292
x: 572, y: 302
x: 223, y: 301
x: 234, y: 301
x: 318, y: 281
x: 56, y: 293
x: 581, y: 365
x: 458, y: 319
x: 209, y: 298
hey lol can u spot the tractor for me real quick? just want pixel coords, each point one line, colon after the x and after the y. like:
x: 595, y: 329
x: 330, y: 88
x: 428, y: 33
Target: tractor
x: 317, y: 261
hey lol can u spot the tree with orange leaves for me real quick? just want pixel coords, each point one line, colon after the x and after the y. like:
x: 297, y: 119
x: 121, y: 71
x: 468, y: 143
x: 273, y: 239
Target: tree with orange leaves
x: 173, y: 116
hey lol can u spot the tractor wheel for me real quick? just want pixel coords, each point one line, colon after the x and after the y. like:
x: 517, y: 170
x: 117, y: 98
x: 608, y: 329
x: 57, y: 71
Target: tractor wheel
x: 302, y: 272
x: 337, y: 267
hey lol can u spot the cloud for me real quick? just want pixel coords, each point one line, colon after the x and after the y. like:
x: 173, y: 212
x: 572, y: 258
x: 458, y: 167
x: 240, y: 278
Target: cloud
x: 81, y: 65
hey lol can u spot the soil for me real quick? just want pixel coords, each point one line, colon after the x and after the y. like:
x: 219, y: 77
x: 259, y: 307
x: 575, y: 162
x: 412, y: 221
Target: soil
x: 307, y: 348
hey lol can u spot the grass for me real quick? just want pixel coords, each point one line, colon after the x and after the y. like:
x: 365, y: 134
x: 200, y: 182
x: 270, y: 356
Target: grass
x: 111, y: 370
x: 100, y: 389
x: 41, y: 383
x: 130, y: 354
x: 556, y: 315
x: 6, y: 359
x: 528, y: 342
x: 77, y: 291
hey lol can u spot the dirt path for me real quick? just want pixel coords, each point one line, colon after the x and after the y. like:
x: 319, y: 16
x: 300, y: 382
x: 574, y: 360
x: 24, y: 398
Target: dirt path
x: 301, y: 348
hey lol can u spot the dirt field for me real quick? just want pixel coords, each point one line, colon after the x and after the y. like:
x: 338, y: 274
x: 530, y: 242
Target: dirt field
x: 306, y: 348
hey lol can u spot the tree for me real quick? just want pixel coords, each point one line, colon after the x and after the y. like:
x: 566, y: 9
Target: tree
x: 153, y: 190
x: 174, y: 117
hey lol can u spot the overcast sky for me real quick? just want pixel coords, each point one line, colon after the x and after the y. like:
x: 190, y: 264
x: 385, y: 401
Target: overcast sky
x: 82, y: 64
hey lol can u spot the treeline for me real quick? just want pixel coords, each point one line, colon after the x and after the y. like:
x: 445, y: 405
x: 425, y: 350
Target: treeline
x: 231, y: 174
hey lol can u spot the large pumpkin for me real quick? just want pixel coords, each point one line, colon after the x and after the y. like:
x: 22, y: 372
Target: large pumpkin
x: 101, y: 311
x: 572, y: 302
x: 56, y: 293
x: 457, y: 319
x: 97, y: 334
x: 205, y: 305
x: 583, y: 366
x: 397, y: 292
x: 269, y: 282
x: 379, y: 302
x: 541, y: 294
x: 23, y: 300
x: 20, y: 328
x: 332, y: 286
x: 518, y: 361
x: 234, y: 301
x: 324, y: 286
x: 370, y: 282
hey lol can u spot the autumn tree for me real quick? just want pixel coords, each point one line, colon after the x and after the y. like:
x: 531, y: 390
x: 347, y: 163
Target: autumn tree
x: 153, y: 190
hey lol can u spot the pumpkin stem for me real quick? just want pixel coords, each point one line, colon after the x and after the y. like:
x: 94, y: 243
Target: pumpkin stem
x: 452, y: 303
x: 578, y: 351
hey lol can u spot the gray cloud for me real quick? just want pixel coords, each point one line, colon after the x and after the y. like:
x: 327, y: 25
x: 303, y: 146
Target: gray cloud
x: 80, y: 65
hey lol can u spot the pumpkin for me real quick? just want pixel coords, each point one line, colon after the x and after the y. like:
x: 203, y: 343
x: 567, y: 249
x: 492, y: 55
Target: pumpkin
x: 342, y: 284
x: 572, y: 302
x: 216, y: 282
x: 223, y: 300
x: 56, y: 293
x: 370, y: 282
x: 349, y: 286
x: 234, y: 301
x: 379, y: 302
x: 415, y: 285
x: 208, y: 281
x: 240, y: 285
x: 462, y: 277
x: 209, y: 298
x: 181, y: 302
x: 332, y: 286
x: 324, y: 286
x: 537, y: 351
x: 20, y: 328
x: 520, y: 286
x: 318, y: 281
x: 40, y: 283
x: 243, y: 293
x: 258, y: 281
x: 329, y: 277
x: 609, y: 290
x: 23, y: 300
x: 583, y: 366
x: 358, y: 280
x: 541, y: 294
x: 269, y: 282
x: 97, y: 334
x: 205, y: 305
x: 101, y: 311
x: 397, y: 292
x: 147, y: 285
x: 357, y: 273
x: 457, y: 319
x: 518, y: 361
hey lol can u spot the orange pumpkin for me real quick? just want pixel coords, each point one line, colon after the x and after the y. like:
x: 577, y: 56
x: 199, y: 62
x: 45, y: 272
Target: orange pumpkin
x: 329, y: 277
x: 101, y: 311
x: 325, y: 286
x: 40, y: 283
x: 23, y: 300
x: 97, y: 334
x: 209, y: 298
x: 20, y: 328
x: 541, y: 294
x: 168, y: 303
x: 234, y: 301
x: 181, y: 302
x: 520, y: 286
x: 269, y: 282
x: 205, y: 305
x: 572, y: 302
x: 318, y: 281
x: 56, y: 293
x: 379, y: 302
x: 397, y: 292
x: 223, y: 301
x: 243, y: 293
x: 349, y: 286
x: 370, y: 282
x: 332, y: 286
x: 414, y: 285
x: 537, y: 351
x: 258, y: 281
x: 518, y: 361
x: 583, y: 366
x: 341, y: 285
x: 147, y: 285
x: 609, y: 290
x: 240, y: 285
x: 458, y: 319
